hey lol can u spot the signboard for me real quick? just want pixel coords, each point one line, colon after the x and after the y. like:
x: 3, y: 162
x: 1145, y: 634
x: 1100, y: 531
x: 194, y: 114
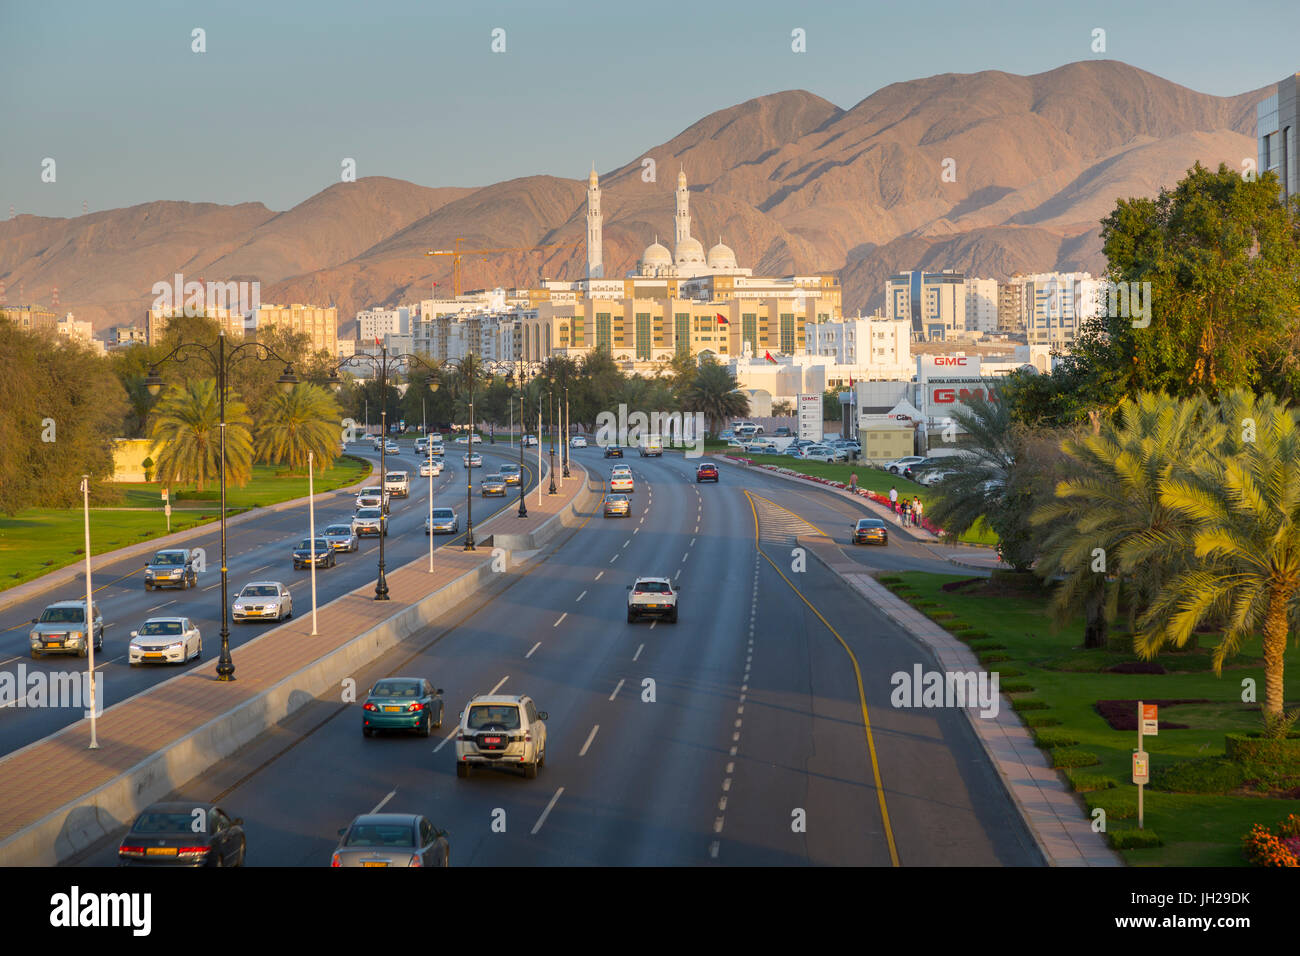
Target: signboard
x: 943, y: 396
x: 164, y: 494
x: 810, y: 416
x: 929, y: 366
x: 1150, y: 723
x: 1141, y: 768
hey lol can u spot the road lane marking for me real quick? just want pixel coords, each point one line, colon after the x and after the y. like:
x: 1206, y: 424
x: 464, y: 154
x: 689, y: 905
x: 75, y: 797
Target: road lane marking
x: 598, y: 576
x: 692, y: 542
x: 152, y: 609
x: 627, y: 542
x: 613, y: 559
x: 634, y: 656
x: 617, y: 689
x: 384, y: 801
x: 262, y: 568
x: 211, y: 586
x: 590, y: 737
x: 652, y: 625
x: 535, y: 647
x: 498, y: 687
x: 560, y: 618
x: 580, y: 596
x: 545, y: 813
x: 446, y: 740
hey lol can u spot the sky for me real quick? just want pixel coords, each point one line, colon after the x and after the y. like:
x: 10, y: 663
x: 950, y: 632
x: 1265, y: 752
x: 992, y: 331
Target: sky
x: 285, y: 92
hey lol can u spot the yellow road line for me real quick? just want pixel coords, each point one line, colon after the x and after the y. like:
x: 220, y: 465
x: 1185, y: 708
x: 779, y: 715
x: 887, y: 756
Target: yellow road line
x: 787, y: 511
x: 857, y: 673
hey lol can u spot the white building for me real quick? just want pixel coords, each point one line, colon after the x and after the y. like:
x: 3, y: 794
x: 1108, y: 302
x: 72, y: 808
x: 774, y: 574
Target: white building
x: 80, y: 332
x: 372, y: 323
x: 1057, y: 304
x: 875, y: 347
x: 934, y: 302
x: 981, y: 305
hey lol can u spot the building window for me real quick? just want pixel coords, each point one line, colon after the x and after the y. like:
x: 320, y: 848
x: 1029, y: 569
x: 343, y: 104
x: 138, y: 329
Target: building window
x: 682, y: 333
x: 643, y: 335
x: 602, y: 330
x: 787, y: 333
x: 749, y: 331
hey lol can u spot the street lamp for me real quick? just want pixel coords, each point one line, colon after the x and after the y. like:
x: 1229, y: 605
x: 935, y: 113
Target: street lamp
x: 523, y: 430
x: 461, y: 365
x: 551, y: 398
x: 221, y: 359
x: 382, y: 365
x: 564, y: 454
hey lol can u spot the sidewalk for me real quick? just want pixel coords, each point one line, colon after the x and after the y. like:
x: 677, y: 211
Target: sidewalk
x: 1050, y: 810
x: 53, y: 782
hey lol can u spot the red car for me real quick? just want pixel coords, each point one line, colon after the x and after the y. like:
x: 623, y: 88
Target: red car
x: 706, y: 472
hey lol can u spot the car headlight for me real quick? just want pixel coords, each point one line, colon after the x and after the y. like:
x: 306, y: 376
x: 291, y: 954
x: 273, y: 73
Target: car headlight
x: 34, y: 637
x: 77, y: 635
x: 239, y: 607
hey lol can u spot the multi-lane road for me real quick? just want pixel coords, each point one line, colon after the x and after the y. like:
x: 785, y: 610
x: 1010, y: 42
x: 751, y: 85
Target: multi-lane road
x: 257, y: 550
x: 742, y: 735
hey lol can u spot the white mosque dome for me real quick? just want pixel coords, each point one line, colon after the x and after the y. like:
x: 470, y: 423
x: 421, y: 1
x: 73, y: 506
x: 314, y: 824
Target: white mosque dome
x: 690, y: 251
x: 722, y: 257
x: 656, y: 256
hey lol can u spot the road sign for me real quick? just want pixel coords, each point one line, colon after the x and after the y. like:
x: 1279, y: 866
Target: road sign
x: 167, y: 510
x: 810, y: 416
x: 1141, y: 767
x: 1150, y: 723
x: 164, y: 494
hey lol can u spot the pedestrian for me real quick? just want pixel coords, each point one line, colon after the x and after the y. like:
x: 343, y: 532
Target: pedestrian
x: 918, y: 510
x: 907, y: 513
x: 893, y: 500
x: 853, y: 482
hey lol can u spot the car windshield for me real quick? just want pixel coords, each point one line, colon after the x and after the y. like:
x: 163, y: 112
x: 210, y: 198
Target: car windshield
x: 164, y: 823
x: 375, y: 492
x: 339, y: 529
x: 397, y: 476
x: 396, y: 688
x: 439, y: 513
x: 368, y: 513
x: 653, y: 587
x: 260, y: 590
x: 871, y: 523
x: 383, y: 834
x: 509, y: 469
x: 174, y: 558
x: 306, y: 545
x: 63, y: 615
x: 505, y: 716
x: 616, y: 498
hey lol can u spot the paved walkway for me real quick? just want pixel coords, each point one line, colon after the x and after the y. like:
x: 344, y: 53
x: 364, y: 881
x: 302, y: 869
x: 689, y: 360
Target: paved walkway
x: 1053, y: 813
x: 51, y: 773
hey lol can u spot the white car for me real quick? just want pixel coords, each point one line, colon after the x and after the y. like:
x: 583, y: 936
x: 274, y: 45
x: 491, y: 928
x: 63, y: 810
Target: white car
x: 430, y: 468
x: 391, y: 448
x: 620, y: 479
x: 370, y: 521
x: 373, y: 493
x: 652, y: 597
x: 501, y: 731
x: 398, y: 484
x: 165, y: 640
x: 822, y: 453
x: 896, y: 466
x: 530, y: 441
x: 473, y: 460
x: 262, y: 601
x: 933, y: 476
x: 578, y: 442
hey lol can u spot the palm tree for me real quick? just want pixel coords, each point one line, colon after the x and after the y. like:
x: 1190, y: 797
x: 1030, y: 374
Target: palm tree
x: 304, y: 419
x: 185, y: 428
x: 1244, y: 532
x: 714, y: 392
x: 1108, y: 525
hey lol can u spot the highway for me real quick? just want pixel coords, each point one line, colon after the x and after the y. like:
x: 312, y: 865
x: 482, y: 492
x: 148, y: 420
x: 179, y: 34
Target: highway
x: 257, y: 549
x: 737, y: 736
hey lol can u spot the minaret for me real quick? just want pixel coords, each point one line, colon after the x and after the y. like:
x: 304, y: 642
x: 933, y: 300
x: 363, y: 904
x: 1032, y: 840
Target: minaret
x: 683, y: 213
x: 595, y: 255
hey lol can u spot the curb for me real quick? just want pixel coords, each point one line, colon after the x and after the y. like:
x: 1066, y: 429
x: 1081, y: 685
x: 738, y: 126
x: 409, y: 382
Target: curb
x: 976, y: 722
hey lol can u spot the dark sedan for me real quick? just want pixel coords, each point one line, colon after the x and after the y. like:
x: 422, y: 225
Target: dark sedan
x: 183, y: 834
x: 392, y: 839
x: 402, y: 703
x: 323, y: 554
x: 870, y: 531
x: 613, y: 451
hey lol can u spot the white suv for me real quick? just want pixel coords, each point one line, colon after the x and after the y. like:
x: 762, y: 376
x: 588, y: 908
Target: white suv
x: 397, y: 483
x: 498, y: 730
x: 652, y: 597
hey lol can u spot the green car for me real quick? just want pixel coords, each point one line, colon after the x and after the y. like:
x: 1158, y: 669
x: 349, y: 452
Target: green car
x: 402, y: 703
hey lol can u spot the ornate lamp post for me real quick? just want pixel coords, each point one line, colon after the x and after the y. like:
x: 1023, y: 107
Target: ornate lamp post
x: 221, y: 357
x: 523, y: 430
x: 460, y: 365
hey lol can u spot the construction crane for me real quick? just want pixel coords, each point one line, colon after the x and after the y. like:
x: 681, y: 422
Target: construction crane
x: 456, y: 253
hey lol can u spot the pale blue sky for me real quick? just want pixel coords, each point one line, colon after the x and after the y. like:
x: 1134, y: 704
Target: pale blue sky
x: 286, y: 90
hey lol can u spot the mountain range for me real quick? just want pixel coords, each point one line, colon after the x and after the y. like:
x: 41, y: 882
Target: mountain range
x: 988, y: 173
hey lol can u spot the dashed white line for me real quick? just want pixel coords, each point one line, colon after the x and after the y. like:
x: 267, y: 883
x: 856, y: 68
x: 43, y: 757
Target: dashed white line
x: 639, y: 649
x: 211, y: 586
x: 383, y: 802
x: 445, y: 740
x: 692, y: 542
x: 498, y: 687
x: 262, y: 568
x: 617, y: 689
x: 545, y: 813
x: 580, y: 597
x: 598, y: 576
x: 613, y: 559
x: 535, y: 647
x: 627, y: 542
x: 168, y: 604
x: 560, y: 618
x: 590, y: 737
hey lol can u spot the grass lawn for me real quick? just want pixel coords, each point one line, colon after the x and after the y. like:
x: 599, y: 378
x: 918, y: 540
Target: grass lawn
x: 40, y: 540
x: 873, y: 479
x: 1198, y: 829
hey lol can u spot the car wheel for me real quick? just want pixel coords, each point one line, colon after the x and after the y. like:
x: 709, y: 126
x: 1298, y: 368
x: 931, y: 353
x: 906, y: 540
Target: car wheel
x: 462, y: 771
x: 148, y: 586
x: 367, y: 732
x: 530, y: 771
x: 541, y: 758
x: 426, y: 727
x: 243, y: 851
x: 36, y: 655
x: 84, y: 651
x: 199, y: 655
x: 631, y: 617
x: 672, y: 618
x: 439, y: 723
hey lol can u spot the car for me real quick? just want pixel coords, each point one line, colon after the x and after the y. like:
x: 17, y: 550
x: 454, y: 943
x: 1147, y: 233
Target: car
x: 822, y: 453
x: 613, y: 451
x: 444, y: 521
x: 165, y: 640
x: 397, y: 484
x: 652, y: 597
x: 370, y: 497
x: 869, y: 531
x: 621, y: 480
x: 782, y: 431
x: 61, y: 629
x: 652, y: 446
x: 262, y: 600
x: 617, y: 506
x: 511, y: 473
x: 391, y: 448
x: 184, y: 833
x: 469, y: 439
x: 402, y: 703
x: 492, y: 486
x: 501, y: 731
x: 760, y: 446
x: 422, y: 445
x: 310, y: 549
x: 391, y: 839
x: 933, y: 476
x: 914, y: 470
x: 751, y: 427
x: 706, y: 471
x: 578, y: 441
x: 341, y: 537
x: 174, y: 568
x: 430, y: 468
x: 370, y: 521
x: 530, y: 441
x: 473, y: 460
x: 726, y: 435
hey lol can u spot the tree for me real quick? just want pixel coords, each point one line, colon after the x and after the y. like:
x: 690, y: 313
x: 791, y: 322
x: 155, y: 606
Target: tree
x: 1243, y: 513
x: 185, y: 428
x: 304, y: 419
x: 782, y: 409
x: 714, y: 392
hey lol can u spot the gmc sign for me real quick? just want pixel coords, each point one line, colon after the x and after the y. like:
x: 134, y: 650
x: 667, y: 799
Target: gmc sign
x: 950, y: 396
x: 950, y: 360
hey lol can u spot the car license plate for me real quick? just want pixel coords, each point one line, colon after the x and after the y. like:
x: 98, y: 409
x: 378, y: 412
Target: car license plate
x: 160, y: 851
x: 374, y: 862
x: 392, y: 710
x: 491, y: 740
x: 153, y: 656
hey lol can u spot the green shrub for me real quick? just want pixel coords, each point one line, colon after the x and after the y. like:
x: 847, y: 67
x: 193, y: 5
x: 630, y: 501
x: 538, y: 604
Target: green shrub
x: 1084, y: 781
x: 992, y: 657
x: 1133, y: 839
x: 984, y: 645
x: 1247, y: 748
x: 1205, y: 775
x: 1120, y: 803
x: 1017, y: 687
x: 1073, y: 757
x: 891, y: 579
x: 975, y: 635
x: 926, y: 603
x: 1120, y: 643
x: 1028, y: 703
x: 955, y: 626
x: 1055, y: 738
x: 1007, y: 672
x: 1039, y: 720
x: 940, y: 615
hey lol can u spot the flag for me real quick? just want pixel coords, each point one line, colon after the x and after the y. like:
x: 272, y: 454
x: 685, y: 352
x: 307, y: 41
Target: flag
x: 722, y: 319
x: 768, y: 356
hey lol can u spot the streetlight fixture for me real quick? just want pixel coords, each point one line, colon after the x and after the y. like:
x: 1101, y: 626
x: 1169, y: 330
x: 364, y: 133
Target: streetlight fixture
x: 564, y: 455
x: 523, y: 430
x: 460, y: 365
x: 551, y: 402
x: 382, y: 365
x: 221, y: 359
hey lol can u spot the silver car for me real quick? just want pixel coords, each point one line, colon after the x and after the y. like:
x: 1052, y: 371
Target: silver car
x: 341, y: 537
x: 492, y: 485
x: 392, y: 839
x: 445, y: 521
x: 61, y: 629
x: 262, y: 601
